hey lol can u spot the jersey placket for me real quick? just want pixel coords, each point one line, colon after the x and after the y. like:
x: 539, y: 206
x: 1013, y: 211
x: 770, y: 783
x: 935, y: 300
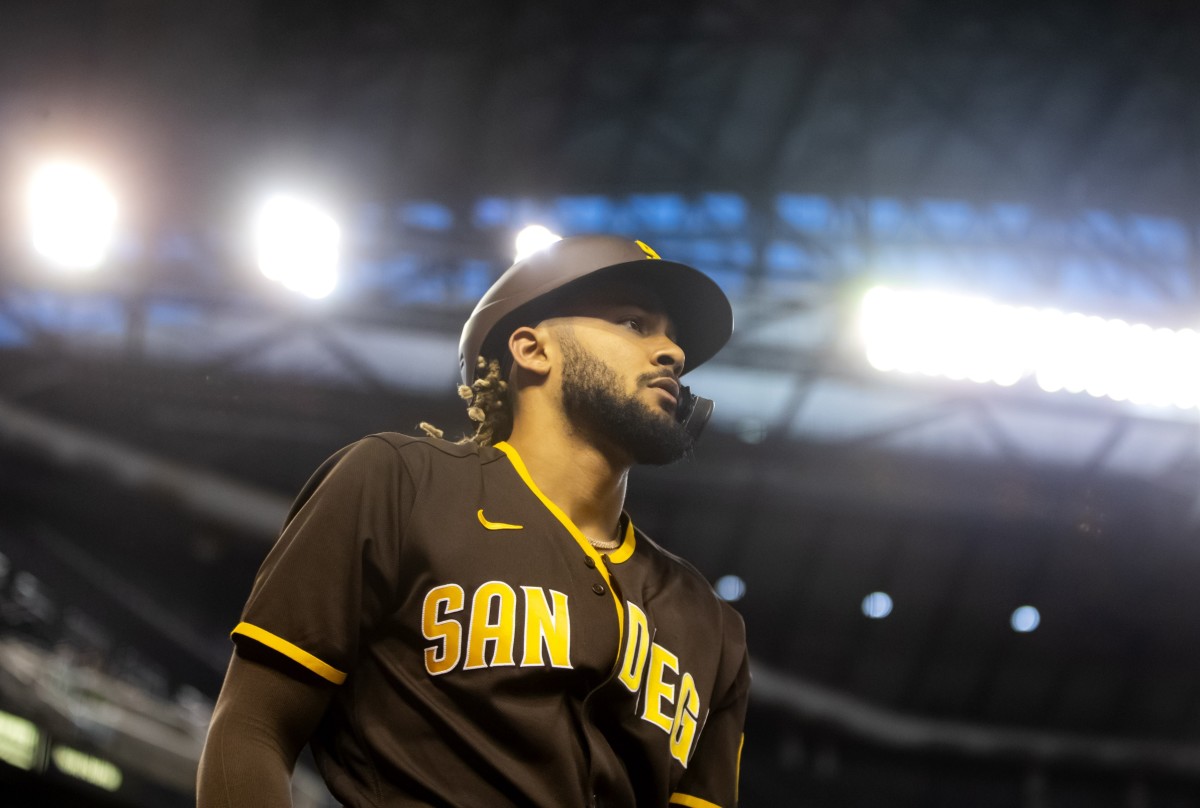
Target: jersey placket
x: 591, y: 552
x: 598, y: 561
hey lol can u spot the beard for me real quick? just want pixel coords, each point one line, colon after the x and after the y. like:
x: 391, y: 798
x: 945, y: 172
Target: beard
x: 594, y: 401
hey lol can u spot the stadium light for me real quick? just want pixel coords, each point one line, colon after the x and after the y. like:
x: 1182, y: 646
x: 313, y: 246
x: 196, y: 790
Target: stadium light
x: 1025, y: 619
x: 533, y: 238
x: 73, y: 216
x: 297, y: 245
x: 20, y: 741
x: 730, y: 587
x: 877, y: 605
x: 959, y: 337
x: 89, y: 768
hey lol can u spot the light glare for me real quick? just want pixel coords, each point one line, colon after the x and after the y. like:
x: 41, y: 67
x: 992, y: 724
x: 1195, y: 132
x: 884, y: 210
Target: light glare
x: 89, y: 768
x: 533, y: 238
x: 966, y: 338
x: 19, y: 740
x: 298, y: 246
x: 73, y: 216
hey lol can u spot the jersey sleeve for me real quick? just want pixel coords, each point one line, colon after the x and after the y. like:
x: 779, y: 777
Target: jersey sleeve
x: 331, y: 574
x: 711, y: 778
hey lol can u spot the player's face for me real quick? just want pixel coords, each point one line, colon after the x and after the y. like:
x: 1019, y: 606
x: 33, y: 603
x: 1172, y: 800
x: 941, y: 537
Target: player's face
x: 620, y: 379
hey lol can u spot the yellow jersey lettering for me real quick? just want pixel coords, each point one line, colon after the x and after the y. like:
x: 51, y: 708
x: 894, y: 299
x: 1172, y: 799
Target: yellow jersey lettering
x: 546, y: 626
x: 687, y: 713
x: 644, y: 664
x: 657, y: 689
x: 484, y: 631
x: 442, y: 600
x: 637, y: 644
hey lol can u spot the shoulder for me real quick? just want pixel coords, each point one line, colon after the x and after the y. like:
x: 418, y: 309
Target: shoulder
x: 389, y: 459
x: 669, y: 563
x: 412, y: 449
x: 424, y: 451
x: 681, y: 577
x: 675, y: 570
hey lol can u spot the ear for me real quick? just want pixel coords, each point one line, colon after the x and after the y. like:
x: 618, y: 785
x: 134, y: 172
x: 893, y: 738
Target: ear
x: 528, y: 348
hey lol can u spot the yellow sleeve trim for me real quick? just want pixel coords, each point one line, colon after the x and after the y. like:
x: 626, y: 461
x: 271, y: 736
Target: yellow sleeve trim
x: 737, y: 777
x: 690, y: 801
x: 292, y: 652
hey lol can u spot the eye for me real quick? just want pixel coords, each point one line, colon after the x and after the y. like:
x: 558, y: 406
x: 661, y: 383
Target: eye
x: 634, y: 323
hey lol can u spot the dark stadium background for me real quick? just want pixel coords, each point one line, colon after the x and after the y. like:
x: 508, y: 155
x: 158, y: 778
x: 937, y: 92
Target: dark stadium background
x: 157, y: 415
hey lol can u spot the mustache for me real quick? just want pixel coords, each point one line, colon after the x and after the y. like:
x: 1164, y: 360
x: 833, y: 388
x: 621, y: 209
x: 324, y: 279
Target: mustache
x: 653, y: 376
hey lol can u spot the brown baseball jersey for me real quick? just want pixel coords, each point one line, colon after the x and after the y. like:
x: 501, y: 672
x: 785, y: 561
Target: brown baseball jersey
x: 485, y: 653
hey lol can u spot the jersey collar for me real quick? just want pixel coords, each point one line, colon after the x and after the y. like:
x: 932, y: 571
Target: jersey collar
x: 616, y: 556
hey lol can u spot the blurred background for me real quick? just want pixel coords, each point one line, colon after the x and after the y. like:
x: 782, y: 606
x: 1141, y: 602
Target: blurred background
x: 953, y: 477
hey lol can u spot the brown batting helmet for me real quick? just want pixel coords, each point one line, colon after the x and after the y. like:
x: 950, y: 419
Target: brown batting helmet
x: 699, y: 309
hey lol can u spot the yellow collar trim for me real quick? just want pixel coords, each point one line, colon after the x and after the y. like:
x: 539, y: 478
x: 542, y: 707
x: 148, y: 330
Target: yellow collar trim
x: 620, y: 553
x: 616, y: 556
x: 625, y: 550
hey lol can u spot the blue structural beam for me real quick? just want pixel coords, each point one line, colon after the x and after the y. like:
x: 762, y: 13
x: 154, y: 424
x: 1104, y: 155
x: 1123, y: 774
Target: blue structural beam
x: 426, y: 253
x: 1012, y: 251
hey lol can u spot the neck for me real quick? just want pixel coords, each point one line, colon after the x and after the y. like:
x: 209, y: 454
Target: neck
x: 576, y: 475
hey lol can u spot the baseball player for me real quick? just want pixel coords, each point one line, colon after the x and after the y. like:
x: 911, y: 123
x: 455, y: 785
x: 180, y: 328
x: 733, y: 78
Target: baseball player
x: 480, y: 623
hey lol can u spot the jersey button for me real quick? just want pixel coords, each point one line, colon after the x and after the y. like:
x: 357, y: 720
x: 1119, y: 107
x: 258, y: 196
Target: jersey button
x: 598, y: 589
x: 589, y: 562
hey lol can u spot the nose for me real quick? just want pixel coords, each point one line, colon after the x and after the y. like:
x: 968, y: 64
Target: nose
x: 669, y: 354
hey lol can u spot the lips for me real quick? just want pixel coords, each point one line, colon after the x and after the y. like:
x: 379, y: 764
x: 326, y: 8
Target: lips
x: 667, y: 384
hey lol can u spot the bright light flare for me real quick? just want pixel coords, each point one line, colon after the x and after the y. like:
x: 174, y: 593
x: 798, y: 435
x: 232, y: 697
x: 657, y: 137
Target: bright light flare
x: 533, y: 238
x: 941, y: 335
x: 73, y: 216
x: 959, y: 337
x: 297, y: 245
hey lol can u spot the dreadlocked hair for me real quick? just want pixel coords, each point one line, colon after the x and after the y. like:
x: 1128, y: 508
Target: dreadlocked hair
x: 488, y: 405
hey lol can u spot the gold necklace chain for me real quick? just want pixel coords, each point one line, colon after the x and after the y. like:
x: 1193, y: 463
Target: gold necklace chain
x: 610, y: 544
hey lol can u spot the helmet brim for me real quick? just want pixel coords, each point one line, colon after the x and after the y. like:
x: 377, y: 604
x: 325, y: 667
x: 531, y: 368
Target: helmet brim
x: 699, y: 310
x: 531, y: 289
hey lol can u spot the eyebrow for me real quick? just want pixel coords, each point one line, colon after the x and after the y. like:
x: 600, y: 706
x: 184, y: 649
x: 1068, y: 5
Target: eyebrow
x: 657, y: 313
x: 602, y: 300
